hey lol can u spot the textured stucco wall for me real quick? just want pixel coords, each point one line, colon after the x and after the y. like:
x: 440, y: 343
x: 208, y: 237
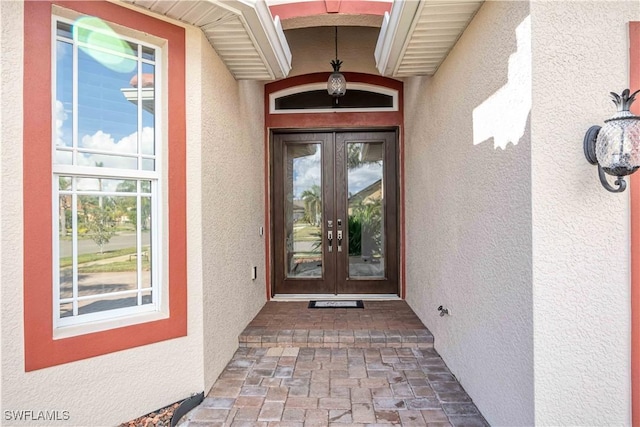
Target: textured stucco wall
x: 580, y: 231
x: 116, y: 387
x: 313, y: 49
x: 232, y: 208
x: 468, y: 211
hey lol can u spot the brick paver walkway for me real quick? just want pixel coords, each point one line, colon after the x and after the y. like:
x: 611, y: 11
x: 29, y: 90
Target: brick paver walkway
x: 333, y: 383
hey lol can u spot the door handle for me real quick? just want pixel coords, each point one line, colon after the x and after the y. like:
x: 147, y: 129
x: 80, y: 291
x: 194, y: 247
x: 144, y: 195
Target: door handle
x: 330, y: 238
x: 339, y: 240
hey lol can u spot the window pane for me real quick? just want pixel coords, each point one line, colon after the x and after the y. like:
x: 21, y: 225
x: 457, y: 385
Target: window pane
x: 107, y: 161
x: 64, y: 94
x: 148, y: 109
x: 148, y: 53
x: 66, y: 309
x: 107, y: 119
x: 65, y: 243
x: 303, y: 210
x: 63, y: 157
x: 148, y: 164
x: 320, y: 99
x: 107, y: 185
x: 106, y: 303
x: 95, y: 32
x: 107, y: 246
x: 147, y: 297
x: 64, y: 30
x: 145, y: 186
x: 147, y: 258
x: 112, y: 94
x: 366, y: 209
x: 64, y: 183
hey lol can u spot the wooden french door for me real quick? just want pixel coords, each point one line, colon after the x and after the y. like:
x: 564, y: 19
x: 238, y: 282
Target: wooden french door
x: 335, y: 218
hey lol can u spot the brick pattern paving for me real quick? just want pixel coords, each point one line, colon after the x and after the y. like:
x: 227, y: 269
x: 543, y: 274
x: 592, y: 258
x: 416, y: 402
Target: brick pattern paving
x: 378, y: 315
x: 370, y: 368
x: 342, y: 338
x: 332, y: 386
x: 379, y: 324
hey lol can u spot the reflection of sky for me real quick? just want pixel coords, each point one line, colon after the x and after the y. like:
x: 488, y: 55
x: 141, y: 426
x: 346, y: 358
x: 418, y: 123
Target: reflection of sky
x: 106, y: 120
x: 363, y: 176
x: 306, y: 173
x: 101, y: 105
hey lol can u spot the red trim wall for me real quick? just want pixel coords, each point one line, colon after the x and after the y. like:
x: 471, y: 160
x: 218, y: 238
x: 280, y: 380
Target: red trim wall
x: 634, y: 84
x: 332, y: 120
x: 321, y: 7
x: 41, y: 350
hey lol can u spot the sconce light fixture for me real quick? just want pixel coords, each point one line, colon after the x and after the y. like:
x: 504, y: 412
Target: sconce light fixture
x: 337, y: 84
x: 615, y: 147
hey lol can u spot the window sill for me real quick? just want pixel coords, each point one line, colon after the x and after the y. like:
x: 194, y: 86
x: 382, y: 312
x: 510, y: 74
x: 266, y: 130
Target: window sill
x: 107, y: 324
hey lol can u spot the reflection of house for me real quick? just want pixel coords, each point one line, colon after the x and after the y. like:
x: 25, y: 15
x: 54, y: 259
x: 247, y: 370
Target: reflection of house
x: 520, y: 241
x: 367, y: 194
x: 298, y: 210
x: 146, y: 89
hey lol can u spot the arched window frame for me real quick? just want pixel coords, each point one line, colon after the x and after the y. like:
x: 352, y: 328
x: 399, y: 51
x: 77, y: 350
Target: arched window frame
x: 309, y: 87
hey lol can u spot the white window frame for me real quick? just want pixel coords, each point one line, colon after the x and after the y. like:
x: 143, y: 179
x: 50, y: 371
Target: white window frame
x: 323, y: 86
x: 158, y: 309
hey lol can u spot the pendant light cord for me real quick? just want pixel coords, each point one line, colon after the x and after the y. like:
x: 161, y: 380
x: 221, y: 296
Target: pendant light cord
x: 336, y: 43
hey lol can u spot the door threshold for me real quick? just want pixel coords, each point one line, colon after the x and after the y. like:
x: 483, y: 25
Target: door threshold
x: 333, y: 297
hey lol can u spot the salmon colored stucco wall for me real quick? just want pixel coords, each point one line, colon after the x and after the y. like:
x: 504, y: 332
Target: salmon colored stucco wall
x: 634, y: 84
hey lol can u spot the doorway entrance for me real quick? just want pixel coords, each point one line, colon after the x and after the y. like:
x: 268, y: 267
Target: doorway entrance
x: 335, y: 212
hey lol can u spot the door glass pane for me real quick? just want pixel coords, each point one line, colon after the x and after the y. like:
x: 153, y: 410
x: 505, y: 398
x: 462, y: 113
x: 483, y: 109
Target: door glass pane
x: 365, y: 189
x: 303, y: 210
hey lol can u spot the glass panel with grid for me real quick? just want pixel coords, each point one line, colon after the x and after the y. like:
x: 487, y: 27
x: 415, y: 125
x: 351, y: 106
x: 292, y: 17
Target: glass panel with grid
x: 105, y: 172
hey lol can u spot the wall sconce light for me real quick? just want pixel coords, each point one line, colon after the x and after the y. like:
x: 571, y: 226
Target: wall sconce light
x: 615, y: 147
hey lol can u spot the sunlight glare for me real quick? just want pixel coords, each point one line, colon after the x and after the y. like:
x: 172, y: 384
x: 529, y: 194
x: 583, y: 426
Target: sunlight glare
x: 503, y: 116
x: 94, y: 32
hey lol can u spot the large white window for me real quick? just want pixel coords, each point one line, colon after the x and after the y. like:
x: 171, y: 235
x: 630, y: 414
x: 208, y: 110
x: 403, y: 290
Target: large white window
x: 106, y: 173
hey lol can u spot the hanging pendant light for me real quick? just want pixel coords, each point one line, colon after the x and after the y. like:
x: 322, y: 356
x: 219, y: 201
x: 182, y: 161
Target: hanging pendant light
x: 337, y: 84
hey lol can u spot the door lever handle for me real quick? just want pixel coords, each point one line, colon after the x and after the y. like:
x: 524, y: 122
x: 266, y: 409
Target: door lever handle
x: 330, y: 238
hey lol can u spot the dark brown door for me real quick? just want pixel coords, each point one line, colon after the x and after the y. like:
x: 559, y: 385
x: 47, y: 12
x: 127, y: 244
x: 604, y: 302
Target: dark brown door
x: 335, y: 213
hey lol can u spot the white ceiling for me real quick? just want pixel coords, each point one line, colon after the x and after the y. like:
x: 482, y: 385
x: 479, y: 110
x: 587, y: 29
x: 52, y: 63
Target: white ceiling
x: 418, y: 35
x: 243, y: 33
x: 414, y: 39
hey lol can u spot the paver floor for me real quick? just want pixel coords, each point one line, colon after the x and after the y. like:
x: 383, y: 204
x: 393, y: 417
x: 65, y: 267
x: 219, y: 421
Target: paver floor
x: 385, y: 382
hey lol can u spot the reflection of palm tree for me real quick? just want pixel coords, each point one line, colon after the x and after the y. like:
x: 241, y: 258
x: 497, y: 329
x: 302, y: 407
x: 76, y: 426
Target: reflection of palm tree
x: 354, y: 156
x: 365, y: 228
x: 65, y: 204
x: 100, y: 165
x: 313, y: 204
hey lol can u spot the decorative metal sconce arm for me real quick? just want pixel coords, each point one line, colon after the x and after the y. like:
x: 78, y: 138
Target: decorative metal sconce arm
x: 589, y: 146
x: 620, y: 182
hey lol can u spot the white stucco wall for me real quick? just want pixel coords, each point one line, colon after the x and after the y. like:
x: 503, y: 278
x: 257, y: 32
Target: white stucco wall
x: 468, y: 210
x: 232, y: 182
x: 225, y: 209
x: 580, y: 231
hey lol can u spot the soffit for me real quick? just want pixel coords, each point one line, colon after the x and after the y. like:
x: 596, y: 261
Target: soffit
x: 246, y: 37
x: 416, y: 37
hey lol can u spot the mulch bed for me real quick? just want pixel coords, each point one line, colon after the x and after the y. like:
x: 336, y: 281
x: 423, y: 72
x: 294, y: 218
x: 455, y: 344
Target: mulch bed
x: 158, y: 418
